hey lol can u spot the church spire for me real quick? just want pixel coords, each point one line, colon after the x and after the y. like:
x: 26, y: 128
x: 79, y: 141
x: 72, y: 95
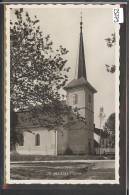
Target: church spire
x: 81, y: 59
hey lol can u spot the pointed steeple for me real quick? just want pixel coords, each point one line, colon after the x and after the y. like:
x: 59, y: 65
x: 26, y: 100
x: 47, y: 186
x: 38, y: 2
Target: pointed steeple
x: 81, y: 80
x: 81, y: 59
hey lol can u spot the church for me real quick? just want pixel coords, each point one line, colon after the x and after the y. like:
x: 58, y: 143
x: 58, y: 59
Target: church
x: 77, y: 138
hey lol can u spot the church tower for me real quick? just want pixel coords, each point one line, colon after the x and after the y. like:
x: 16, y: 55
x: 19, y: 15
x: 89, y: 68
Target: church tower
x: 80, y: 94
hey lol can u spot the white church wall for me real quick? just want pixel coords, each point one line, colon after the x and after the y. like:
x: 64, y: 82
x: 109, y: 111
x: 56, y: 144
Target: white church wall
x: 48, y: 145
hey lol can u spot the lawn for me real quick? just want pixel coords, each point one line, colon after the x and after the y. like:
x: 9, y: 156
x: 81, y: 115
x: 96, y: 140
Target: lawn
x: 58, y: 170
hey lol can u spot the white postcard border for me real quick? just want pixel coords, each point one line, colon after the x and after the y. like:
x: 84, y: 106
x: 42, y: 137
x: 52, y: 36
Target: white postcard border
x: 7, y: 98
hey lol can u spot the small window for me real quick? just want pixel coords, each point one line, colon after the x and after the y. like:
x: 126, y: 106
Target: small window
x: 75, y: 99
x: 21, y: 143
x: 89, y: 98
x: 37, y: 140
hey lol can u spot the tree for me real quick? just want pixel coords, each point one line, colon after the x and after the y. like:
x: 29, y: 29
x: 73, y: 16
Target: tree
x: 38, y: 71
x: 16, y: 136
x: 109, y: 128
x: 110, y: 43
x: 111, y: 40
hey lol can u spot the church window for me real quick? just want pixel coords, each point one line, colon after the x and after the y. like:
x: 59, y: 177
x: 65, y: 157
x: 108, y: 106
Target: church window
x: 21, y: 143
x: 75, y: 99
x: 89, y: 98
x: 37, y: 140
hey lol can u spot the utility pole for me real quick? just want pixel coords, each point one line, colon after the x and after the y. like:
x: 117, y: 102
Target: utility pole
x: 101, y: 117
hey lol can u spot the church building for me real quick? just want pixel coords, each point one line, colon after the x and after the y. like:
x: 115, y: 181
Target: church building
x: 76, y: 138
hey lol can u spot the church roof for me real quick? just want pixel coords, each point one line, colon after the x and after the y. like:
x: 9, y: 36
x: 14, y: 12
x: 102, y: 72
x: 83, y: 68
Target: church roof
x: 47, y: 119
x: 81, y: 59
x: 81, y: 75
x: 78, y: 83
x: 29, y: 121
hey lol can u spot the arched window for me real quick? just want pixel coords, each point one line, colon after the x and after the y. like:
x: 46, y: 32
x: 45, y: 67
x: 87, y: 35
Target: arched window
x: 89, y: 98
x: 37, y: 140
x: 75, y: 99
x: 21, y: 141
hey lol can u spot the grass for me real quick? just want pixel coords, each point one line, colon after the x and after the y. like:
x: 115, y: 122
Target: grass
x: 60, y: 171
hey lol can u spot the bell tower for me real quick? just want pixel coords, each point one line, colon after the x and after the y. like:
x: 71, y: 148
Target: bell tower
x: 80, y: 93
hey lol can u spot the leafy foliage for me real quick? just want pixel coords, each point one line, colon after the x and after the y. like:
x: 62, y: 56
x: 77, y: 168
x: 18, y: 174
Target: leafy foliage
x: 109, y: 128
x: 110, y: 68
x: 16, y: 136
x: 38, y: 71
x: 110, y: 42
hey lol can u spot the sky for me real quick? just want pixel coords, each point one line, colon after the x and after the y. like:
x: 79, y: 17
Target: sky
x: 63, y: 24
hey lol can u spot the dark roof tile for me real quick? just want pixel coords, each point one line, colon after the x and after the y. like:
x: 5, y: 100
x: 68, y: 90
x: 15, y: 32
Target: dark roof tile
x: 78, y: 83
